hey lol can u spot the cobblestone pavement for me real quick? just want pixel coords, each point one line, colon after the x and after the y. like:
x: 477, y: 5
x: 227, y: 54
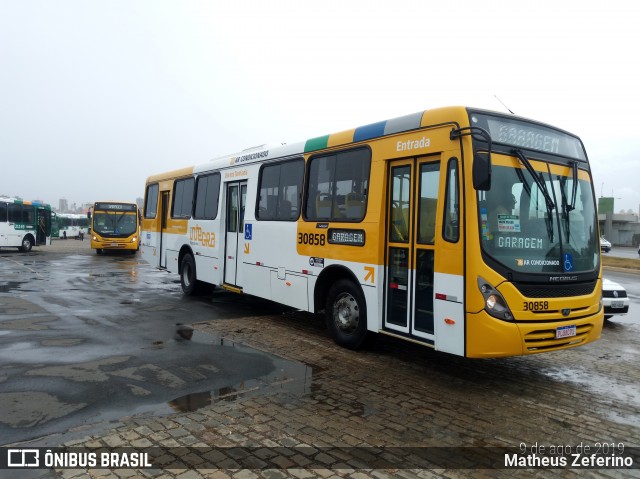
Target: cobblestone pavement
x: 399, y: 395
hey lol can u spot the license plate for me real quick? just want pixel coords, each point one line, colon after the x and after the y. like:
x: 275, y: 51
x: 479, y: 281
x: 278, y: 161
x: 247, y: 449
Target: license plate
x: 617, y: 304
x: 565, y: 332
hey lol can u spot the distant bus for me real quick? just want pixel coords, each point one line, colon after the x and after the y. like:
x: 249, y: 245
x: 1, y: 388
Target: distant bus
x: 24, y: 224
x: 467, y: 231
x: 115, y: 226
x: 69, y: 225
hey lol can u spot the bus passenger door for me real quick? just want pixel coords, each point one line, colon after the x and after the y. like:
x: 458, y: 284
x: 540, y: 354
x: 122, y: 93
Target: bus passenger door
x: 234, y: 231
x: 43, y: 224
x: 164, y: 212
x: 399, y: 251
x: 411, y: 238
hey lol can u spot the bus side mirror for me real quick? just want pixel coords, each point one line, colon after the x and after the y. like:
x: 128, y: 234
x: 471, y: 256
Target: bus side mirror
x: 89, y: 214
x: 482, y: 171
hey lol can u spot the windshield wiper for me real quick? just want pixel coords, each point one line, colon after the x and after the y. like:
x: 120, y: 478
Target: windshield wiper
x: 568, y: 207
x: 542, y: 186
x: 574, y: 189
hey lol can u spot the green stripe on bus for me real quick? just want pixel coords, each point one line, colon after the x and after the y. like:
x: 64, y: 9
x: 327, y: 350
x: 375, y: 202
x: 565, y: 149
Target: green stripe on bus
x: 316, y: 143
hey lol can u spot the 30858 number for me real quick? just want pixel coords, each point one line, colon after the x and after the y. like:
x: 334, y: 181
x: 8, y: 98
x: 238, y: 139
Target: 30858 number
x: 535, y: 305
x: 314, y: 239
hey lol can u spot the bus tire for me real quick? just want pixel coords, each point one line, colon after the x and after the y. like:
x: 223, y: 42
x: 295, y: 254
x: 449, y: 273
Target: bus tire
x: 346, y: 314
x: 188, y: 276
x: 27, y: 244
x: 98, y: 250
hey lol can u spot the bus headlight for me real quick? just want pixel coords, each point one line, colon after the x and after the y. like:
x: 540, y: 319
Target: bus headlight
x: 494, y: 303
x: 134, y: 239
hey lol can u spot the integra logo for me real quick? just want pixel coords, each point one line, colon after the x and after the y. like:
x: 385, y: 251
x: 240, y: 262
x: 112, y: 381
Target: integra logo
x: 557, y: 279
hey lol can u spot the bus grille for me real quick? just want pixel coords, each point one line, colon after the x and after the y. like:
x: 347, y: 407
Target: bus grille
x: 556, y: 290
x: 545, y: 339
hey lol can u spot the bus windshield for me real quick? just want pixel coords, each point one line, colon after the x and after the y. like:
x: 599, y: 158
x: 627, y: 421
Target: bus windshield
x: 539, y: 219
x: 115, y: 223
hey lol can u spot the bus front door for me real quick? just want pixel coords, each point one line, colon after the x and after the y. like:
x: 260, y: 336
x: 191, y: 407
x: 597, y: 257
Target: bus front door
x: 411, y: 238
x: 164, y: 212
x: 234, y: 232
x: 43, y: 221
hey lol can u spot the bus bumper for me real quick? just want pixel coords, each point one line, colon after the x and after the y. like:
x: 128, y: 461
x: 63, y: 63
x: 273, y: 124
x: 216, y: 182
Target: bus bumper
x: 114, y: 243
x: 488, y: 337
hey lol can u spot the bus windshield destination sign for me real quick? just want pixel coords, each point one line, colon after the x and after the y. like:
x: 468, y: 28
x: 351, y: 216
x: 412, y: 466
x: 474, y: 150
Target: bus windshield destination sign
x: 115, y: 207
x: 530, y: 135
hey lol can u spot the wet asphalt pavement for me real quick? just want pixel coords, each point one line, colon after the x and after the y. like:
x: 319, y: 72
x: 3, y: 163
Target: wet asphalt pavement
x: 87, y: 339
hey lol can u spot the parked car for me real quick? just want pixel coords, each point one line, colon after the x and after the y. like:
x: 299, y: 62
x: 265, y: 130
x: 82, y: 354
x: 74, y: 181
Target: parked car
x: 605, y: 245
x: 614, y: 298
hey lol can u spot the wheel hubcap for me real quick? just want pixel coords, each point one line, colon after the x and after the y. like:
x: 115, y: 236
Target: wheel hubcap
x: 346, y: 314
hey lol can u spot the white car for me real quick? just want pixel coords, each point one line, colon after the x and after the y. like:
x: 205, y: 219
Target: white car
x: 605, y: 244
x: 614, y: 298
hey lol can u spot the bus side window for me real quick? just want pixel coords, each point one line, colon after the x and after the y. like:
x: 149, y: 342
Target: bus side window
x: 3, y: 212
x: 323, y: 206
x: 427, y: 225
x: 354, y: 204
x: 337, y: 186
x: 280, y: 187
x: 151, y: 201
x: 15, y: 213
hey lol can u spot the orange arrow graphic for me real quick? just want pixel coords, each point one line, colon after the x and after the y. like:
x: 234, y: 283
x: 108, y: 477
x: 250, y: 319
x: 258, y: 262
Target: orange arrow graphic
x: 370, y: 273
x: 247, y: 247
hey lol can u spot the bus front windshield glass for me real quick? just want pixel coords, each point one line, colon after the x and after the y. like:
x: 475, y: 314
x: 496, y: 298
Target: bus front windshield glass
x: 115, y: 223
x: 543, y: 225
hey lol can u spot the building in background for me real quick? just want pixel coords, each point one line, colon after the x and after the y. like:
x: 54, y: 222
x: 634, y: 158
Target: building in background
x: 621, y: 229
x: 63, y: 205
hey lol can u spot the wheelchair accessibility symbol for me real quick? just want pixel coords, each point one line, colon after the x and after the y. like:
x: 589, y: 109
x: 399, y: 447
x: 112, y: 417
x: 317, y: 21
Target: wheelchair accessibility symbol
x: 567, y: 262
x: 248, y: 231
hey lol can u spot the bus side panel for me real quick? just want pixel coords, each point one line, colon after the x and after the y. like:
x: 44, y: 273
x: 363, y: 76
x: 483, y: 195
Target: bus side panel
x: 208, y: 269
x: 204, y: 236
x: 172, y: 261
x: 149, y: 242
x: 289, y: 289
x: 259, y: 283
x: 449, y: 315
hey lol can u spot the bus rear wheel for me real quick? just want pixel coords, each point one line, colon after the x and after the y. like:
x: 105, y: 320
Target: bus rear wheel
x: 27, y: 244
x: 188, y: 275
x: 346, y: 314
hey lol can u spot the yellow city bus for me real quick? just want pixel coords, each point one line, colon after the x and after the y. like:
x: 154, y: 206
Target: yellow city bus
x: 468, y: 231
x: 115, y: 226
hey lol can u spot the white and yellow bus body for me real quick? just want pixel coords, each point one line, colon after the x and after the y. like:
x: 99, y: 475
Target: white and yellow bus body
x: 382, y: 228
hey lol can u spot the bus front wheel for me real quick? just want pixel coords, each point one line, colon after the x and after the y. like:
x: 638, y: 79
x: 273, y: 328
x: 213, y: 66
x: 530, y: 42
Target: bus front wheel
x: 188, y: 275
x: 346, y: 314
x: 27, y: 244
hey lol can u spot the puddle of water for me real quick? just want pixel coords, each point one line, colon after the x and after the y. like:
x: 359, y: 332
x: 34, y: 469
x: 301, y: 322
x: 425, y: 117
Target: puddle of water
x: 289, y: 377
x: 611, y: 389
x: 9, y: 286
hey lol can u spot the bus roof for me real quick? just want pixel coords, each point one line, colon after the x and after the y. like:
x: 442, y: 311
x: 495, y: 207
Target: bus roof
x: 39, y: 203
x: 379, y: 129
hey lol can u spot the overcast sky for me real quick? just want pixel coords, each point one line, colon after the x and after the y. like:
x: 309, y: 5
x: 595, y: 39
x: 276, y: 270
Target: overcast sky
x: 97, y: 95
